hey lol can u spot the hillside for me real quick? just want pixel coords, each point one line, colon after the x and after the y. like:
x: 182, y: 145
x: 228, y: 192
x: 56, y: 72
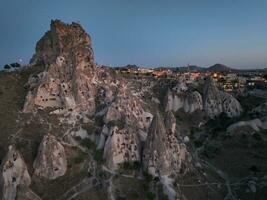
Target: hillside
x: 71, y: 129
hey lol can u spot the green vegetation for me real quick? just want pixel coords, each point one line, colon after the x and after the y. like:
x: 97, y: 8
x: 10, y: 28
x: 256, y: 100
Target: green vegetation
x: 99, y: 121
x: 130, y: 165
x: 220, y: 123
x: 98, y: 156
x: 134, y: 195
x: 150, y: 196
x: 212, y: 148
x: 147, y: 176
x: 89, y: 127
x: 79, y: 158
x: 7, y: 66
x: 162, y: 195
x: 87, y: 143
x: 12, y: 65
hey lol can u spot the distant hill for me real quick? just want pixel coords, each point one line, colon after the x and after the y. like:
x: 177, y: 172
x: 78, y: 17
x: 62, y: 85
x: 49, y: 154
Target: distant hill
x: 191, y: 68
x: 219, y: 68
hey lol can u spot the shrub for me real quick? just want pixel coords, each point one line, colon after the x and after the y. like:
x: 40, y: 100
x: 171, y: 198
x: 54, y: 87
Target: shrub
x: 7, y: 66
x: 150, y: 196
x: 98, y: 156
x: 212, y: 148
x: 79, y: 158
x: 88, y: 143
x: 148, y: 177
x: 15, y: 65
x: 130, y: 165
x: 99, y: 121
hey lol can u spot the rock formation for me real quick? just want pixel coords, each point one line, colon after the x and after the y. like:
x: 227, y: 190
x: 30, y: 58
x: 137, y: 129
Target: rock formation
x: 216, y: 102
x: 128, y: 109
x: 14, y: 173
x: 255, y: 124
x: 67, y: 82
x: 170, y: 122
x: 188, y: 101
x: 163, y: 154
x: 25, y: 193
x: 122, y: 145
x: 180, y: 97
x: 51, y: 161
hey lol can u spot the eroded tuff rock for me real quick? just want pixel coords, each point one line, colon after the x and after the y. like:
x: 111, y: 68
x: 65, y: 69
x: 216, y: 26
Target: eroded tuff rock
x: 60, y: 39
x: 122, y: 145
x: 163, y: 153
x: 180, y: 97
x: 254, y: 124
x: 14, y: 173
x: 51, y: 161
x: 71, y: 81
x: 128, y: 109
x: 216, y: 102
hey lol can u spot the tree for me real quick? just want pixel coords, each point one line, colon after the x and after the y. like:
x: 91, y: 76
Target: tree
x: 7, y: 66
x: 15, y: 65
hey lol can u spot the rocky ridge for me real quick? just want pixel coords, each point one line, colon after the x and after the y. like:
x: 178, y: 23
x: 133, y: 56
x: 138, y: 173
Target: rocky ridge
x: 216, y: 102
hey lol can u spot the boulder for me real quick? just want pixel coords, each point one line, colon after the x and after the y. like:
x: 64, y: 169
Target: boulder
x: 51, y: 161
x: 14, y: 173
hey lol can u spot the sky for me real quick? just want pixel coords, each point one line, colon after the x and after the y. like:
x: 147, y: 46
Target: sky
x: 149, y: 33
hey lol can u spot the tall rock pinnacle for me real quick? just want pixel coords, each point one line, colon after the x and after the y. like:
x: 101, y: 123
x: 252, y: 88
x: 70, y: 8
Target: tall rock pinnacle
x: 163, y: 154
x: 216, y: 102
x: 66, y: 83
x: 62, y: 39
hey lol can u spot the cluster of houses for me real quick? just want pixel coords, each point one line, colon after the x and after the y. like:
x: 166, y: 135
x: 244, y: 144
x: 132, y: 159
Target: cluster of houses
x: 226, y: 80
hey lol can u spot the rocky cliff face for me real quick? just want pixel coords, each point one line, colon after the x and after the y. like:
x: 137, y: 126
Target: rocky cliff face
x: 163, y: 154
x: 180, y: 97
x: 128, y: 109
x: 14, y: 174
x: 122, y: 145
x: 73, y: 85
x: 189, y: 101
x: 51, y: 161
x: 69, y: 82
x: 216, y: 102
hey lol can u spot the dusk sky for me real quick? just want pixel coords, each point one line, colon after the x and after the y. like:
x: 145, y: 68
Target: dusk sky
x: 145, y: 32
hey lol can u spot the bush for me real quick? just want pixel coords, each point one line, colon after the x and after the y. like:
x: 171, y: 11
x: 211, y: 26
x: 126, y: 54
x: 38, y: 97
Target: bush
x: 79, y: 158
x: 212, y: 148
x: 15, y: 65
x: 150, y: 196
x: 99, y: 121
x: 198, y: 143
x: 98, y: 156
x: 148, y: 177
x: 134, y: 195
x: 130, y: 165
x: 87, y: 143
x: 7, y: 66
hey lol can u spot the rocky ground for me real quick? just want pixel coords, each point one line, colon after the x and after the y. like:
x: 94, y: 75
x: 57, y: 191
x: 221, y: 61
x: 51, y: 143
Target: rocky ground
x: 71, y: 129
